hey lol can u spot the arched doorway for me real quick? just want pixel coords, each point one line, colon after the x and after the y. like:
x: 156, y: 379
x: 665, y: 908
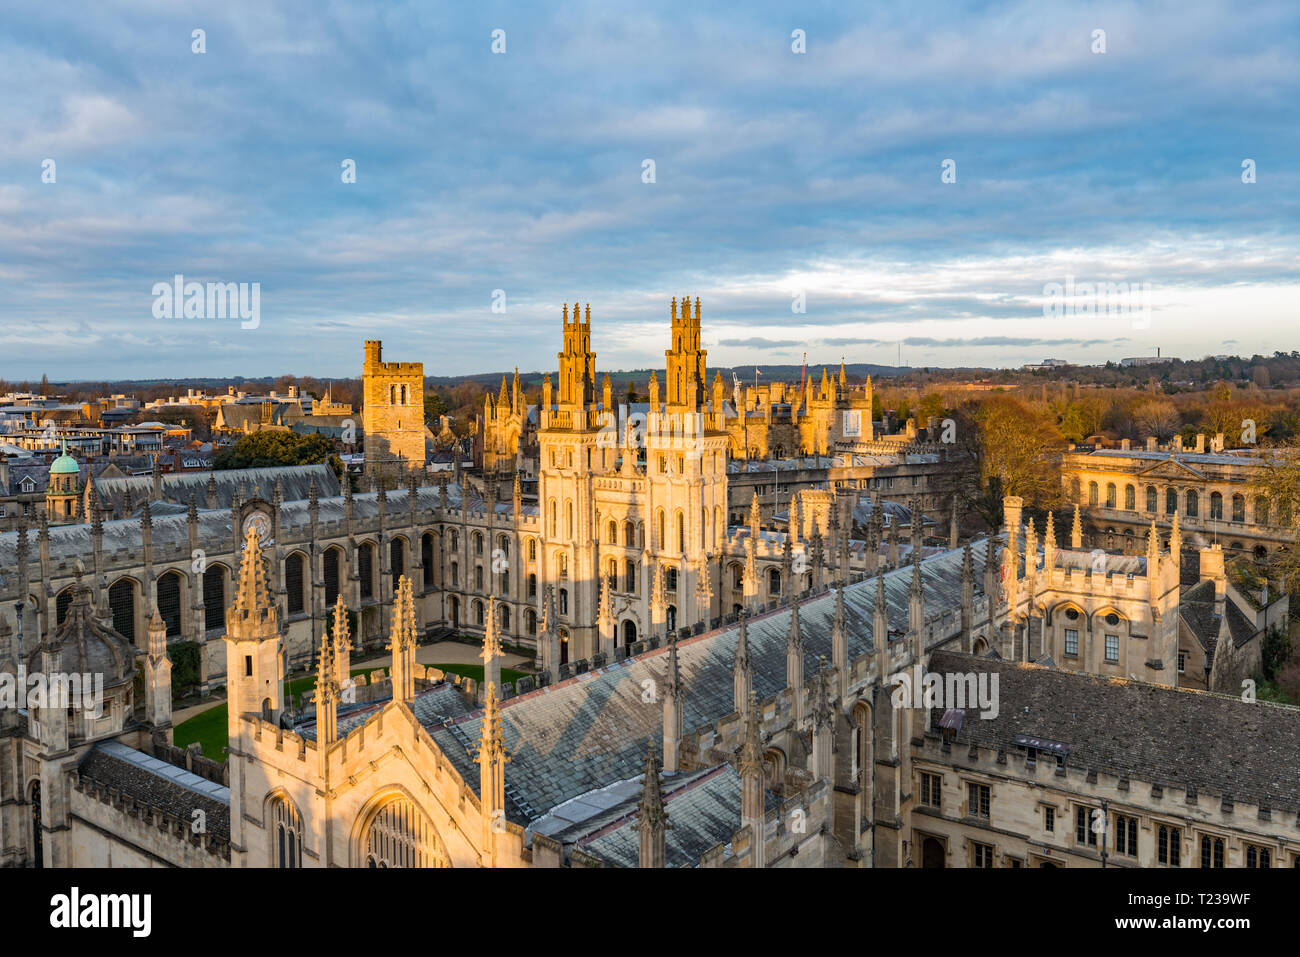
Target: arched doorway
x: 629, y: 632
x: 933, y: 854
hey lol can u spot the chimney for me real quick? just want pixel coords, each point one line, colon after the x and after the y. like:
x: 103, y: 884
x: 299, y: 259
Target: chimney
x: 1124, y: 444
x: 1200, y: 442
x: 1151, y: 443
x: 1212, y: 569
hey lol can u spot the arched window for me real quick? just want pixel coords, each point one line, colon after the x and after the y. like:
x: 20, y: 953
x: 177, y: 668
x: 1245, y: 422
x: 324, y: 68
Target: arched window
x: 1193, y: 503
x: 629, y: 632
x: 629, y: 577
x: 681, y: 532
x: 286, y: 831
x: 455, y: 574
x: 366, y: 569
x: 396, y: 560
x: 737, y: 576
x: 478, y: 577
x: 659, y: 521
x: 532, y: 549
x: 568, y: 504
x: 613, y: 532
x: 1110, y: 495
x: 670, y: 579
x: 331, y: 576
x: 564, y: 564
x: 478, y: 543
x: 773, y: 581
x: 64, y: 600
x: 1130, y: 498
x: 564, y: 601
x: 505, y: 617
x: 1092, y: 493
x: 214, y: 598
x: 455, y: 541
x: 1151, y: 498
x: 671, y: 618
x: 478, y: 612
x: 532, y: 586
x: 1216, y: 505
x: 426, y: 558
x: 1171, y: 501
x: 293, y: 582
x: 169, y: 601
x: 400, y: 835
x: 629, y: 535
x: 1261, y: 510
x: 1238, y: 508
x: 554, y: 513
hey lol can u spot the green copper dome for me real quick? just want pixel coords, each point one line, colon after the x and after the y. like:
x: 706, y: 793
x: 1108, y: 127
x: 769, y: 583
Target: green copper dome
x: 65, y: 464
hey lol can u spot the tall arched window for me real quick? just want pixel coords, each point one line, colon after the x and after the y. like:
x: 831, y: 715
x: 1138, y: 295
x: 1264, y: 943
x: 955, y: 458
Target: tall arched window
x: 1171, y: 501
x: 613, y: 532
x: 569, y: 522
x: 1239, y: 508
x: 659, y: 521
x: 554, y: 519
x: 293, y: 583
x: 564, y: 601
x: 629, y: 534
x: 331, y: 576
x: 1110, y: 495
x: 1261, y: 510
x: 286, y: 834
x: 532, y: 549
x: 1193, y: 503
x: 396, y: 560
x: 773, y: 581
x: 426, y: 558
x: 214, y: 597
x: 1151, y: 498
x: 169, y: 601
x: 1216, y: 505
x: 1130, y: 498
x: 1092, y: 493
x: 681, y: 532
x: 400, y: 835
x: 366, y: 569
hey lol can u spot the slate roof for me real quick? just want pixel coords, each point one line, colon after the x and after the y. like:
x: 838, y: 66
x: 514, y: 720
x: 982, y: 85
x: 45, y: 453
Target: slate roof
x: 703, y: 810
x: 1240, y: 627
x: 1196, y: 608
x: 1183, y: 458
x: 589, y: 731
x: 1217, y: 744
x: 177, y: 487
x: 162, y: 786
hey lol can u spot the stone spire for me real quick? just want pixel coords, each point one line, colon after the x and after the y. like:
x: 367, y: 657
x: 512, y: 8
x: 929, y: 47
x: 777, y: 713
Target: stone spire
x: 253, y: 609
x: 787, y: 570
x: 518, y: 495
x: 158, y: 677
x: 794, y: 649
x: 658, y: 599
x: 1076, y: 531
x: 674, y: 694
x: 341, y: 650
x: 742, y: 671
x: 402, y: 641
x: 916, y: 612
x: 1049, y: 545
x: 1176, y: 543
x: 752, y: 810
x: 880, y: 629
x: 967, y: 597
x: 492, y: 759
x: 823, y: 721
x: 653, y: 817
x: 792, y: 525
x: 327, y: 695
x: 840, y: 645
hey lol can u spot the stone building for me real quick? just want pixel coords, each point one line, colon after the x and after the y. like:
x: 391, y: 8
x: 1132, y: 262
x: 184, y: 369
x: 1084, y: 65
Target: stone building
x: 392, y: 414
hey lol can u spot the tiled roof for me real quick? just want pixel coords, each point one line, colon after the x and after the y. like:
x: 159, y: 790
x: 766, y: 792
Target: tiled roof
x: 159, y: 785
x: 589, y: 731
x: 1216, y: 744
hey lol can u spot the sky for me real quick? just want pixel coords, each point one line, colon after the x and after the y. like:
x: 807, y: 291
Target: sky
x: 800, y: 195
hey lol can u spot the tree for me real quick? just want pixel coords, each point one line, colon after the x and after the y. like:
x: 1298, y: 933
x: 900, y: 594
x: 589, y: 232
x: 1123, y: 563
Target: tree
x: 435, y: 406
x: 1019, y: 451
x: 274, y: 447
x: 1279, y: 483
x: 1158, y: 417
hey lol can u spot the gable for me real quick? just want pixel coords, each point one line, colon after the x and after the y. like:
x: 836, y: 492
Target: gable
x: 1172, y: 469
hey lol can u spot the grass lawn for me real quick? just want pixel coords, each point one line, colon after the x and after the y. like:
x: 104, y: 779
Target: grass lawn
x: 208, y: 728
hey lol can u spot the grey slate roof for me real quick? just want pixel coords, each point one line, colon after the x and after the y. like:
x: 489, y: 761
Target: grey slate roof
x: 1216, y: 744
x: 159, y: 785
x: 1196, y: 608
x: 179, y: 486
x: 589, y: 731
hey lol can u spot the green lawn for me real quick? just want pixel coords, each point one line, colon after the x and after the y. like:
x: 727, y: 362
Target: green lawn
x: 208, y: 728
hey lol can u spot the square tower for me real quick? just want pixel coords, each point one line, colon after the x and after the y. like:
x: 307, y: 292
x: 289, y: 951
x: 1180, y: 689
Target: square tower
x: 392, y: 414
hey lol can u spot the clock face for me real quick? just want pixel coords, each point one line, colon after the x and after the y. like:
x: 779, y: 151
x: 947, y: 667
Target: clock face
x: 261, y: 523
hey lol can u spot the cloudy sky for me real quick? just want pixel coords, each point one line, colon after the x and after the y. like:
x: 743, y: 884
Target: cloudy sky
x: 776, y: 173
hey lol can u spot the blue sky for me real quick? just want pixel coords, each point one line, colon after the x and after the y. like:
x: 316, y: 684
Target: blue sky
x: 522, y: 171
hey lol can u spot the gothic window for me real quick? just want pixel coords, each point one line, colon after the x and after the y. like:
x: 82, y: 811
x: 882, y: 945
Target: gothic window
x: 532, y: 549
x: 478, y: 577
x: 530, y: 621
x: 773, y: 581
x: 629, y: 632
x: 1238, y: 508
x: 613, y: 533
x: 1130, y: 498
x: 293, y: 583
x: 737, y: 577
x: 169, y: 602
x: 505, y: 617
x: 455, y: 541
x: 1110, y: 494
x: 1126, y: 835
x: 214, y: 597
x: 671, y: 618
x: 1257, y: 856
x: 286, y: 830
x: 1193, y: 503
x: 65, y: 599
x: 659, y: 519
x: 396, y: 560
x: 532, y: 586
x: 1092, y: 493
x: 366, y: 569
x: 553, y: 519
x: 426, y: 558
x: 1216, y: 505
x: 1171, y: 501
x: 478, y: 612
x: 1211, y: 851
x: 670, y: 579
x: 331, y: 576
x: 1168, y: 845
x: 629, y: 535
x: 681, y: 533
x: 455, y: 575
x: 503, y: 543
x: 564, y: 565
x: 478, y: 543
x: 399, y: 835
x: 629, y: 577
x: 1151, y: 498
x: 564, y: 601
